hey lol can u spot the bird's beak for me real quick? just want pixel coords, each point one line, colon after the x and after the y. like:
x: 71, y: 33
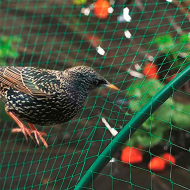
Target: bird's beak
x: 109, y: 85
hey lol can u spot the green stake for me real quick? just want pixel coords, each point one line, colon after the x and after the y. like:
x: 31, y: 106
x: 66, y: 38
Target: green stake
x: 132, y: 126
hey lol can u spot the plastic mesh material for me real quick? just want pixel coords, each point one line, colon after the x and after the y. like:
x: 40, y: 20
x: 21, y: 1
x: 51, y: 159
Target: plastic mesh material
x: 124, y: 47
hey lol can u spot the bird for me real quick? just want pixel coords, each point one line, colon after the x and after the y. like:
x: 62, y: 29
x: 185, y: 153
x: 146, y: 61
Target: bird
x: 46, y: 97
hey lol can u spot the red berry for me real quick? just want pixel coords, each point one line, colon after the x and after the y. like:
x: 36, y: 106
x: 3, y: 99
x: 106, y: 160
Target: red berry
x: 131, y: 155
x: 150, y: 70
x: 157, y: 164
x: 168, y: 158
x: 101, y: 8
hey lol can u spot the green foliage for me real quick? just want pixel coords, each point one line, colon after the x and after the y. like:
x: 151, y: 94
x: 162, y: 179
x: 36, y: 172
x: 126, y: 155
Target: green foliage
x: 165, y: 43
x: 7, y: 49
x: 79, y: 2
x: 176, y: 49
x: 153, y: 130
x: 181, y: 115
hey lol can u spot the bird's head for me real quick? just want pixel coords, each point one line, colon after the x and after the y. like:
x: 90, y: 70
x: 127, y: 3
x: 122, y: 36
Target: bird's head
x: 86, y: 78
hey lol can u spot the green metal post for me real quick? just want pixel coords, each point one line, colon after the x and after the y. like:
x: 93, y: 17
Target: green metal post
x: 131, y: 127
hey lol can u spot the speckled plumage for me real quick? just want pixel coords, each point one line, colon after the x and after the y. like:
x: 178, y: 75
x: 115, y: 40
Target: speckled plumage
x: 47, y: 97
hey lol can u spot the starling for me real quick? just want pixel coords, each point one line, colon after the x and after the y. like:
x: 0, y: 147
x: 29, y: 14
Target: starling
x: 46, y: 97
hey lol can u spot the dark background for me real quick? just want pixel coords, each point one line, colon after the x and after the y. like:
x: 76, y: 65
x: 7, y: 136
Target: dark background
x: 55, y: 35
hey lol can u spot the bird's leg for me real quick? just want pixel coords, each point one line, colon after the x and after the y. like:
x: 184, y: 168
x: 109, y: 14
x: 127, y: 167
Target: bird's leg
x: 38, y: 134
x: 22, y: 128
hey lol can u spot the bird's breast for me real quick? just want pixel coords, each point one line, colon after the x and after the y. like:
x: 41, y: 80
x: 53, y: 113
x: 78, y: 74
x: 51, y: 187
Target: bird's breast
x: 56, y: 109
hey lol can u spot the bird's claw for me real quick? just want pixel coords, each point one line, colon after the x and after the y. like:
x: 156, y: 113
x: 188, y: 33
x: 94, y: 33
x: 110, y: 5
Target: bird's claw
x: 37, y: 135
x: 23, y: 130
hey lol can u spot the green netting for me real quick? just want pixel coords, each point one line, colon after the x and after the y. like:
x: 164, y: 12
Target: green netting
x: 142, y: 47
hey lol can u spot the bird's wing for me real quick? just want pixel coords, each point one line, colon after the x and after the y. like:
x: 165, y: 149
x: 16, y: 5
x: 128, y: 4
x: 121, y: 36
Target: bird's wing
x: 32, y: 81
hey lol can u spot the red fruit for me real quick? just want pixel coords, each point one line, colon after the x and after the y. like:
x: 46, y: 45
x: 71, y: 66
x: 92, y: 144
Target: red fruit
x: 131, y: 155
x: 150, y: 70
x: 101, y: 8
x: 157, y: 164
x: 168, y: 158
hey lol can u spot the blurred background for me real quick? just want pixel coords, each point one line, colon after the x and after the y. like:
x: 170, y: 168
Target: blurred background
x: 139, y: 46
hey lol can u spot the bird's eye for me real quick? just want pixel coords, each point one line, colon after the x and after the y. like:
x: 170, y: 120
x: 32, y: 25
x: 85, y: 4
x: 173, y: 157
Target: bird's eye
x: 95, y: 82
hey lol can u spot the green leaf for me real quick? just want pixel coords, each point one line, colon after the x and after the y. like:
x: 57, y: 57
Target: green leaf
x: 144, y: 87
x: 145, y: 139
x: 154, y: 128
x: 163, y: 39
x: 151, y: 86
x: 134, y: 105
x: 165, y: 43
x: 181, y: 115
x: 184, y: 38
x: 4, y: 38
x: 12, y: 53
x: 148, y: 124
x: 7, y: 50
x: 134, y: 90
x: 140, y: 138
x: 164, y: 113
x: 79, y: 2
x: 1, y: 53
x: 16, y: 39
x: 178, y: 49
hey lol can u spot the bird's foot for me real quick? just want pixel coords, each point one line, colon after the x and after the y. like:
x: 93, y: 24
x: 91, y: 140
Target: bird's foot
x: 23, y: 130
x: 38, y: 134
